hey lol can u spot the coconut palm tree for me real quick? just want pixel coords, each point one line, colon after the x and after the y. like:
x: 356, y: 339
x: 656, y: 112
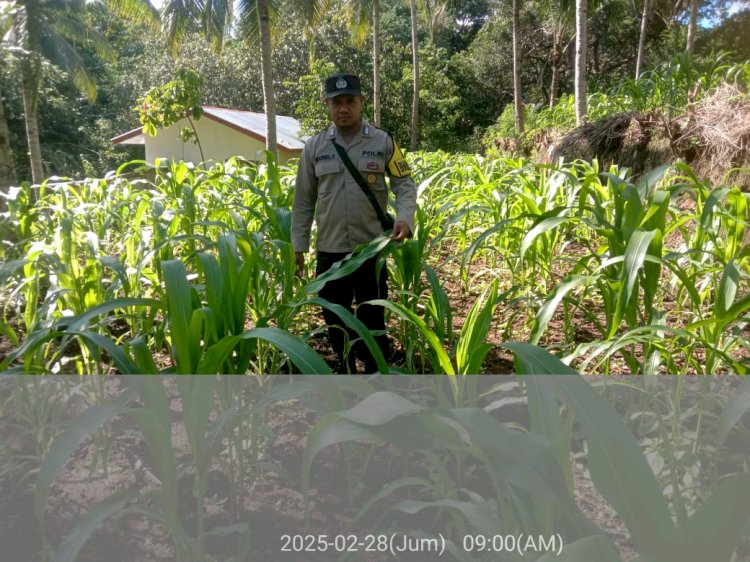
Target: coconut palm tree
x: 376, y: 61
x: 254, y: 21
x: 559, y: 17
x: 363, y: 16
x: 415, y: 82
x: 642, y: 38
x: 517, y: 101
x: 7, y: 169
x: 580, y: 65
x: 47, y: 30
x: 692, y: 27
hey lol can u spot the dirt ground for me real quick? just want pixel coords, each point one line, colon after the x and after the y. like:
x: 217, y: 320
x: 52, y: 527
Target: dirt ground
x: 271, y: 506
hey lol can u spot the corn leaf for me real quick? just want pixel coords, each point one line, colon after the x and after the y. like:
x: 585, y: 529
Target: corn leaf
x: 81, y: 321
x: 379, y: 408
x: 121, y: 359
x: 619, y: 469
x: 355, y: 324
x: 714, y: 531
x: 479, y: 516
x: 547, y: 310
x: 546, y: 225
x: 348, y: 265
x: 70, y: 547
x: 180, y: 309
x: 472, y: 345
x: 158, y: 437
x: 527, y: 463
x: 727, y: 290
x: 433, y: 341
x: 737, y: 407
x: 67, y: 442
x: 533, y: 360
x: 299, y: 353
x: 635, y: 256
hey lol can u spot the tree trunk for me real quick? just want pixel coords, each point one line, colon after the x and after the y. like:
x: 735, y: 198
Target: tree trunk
x: 31, y: 79
x: 7, y: 169
x: 692, y: 27
x: 517, y: 71
x: 264, y: 26
x: 415, y: 87
x: 556, y: 63
x: 376, y: 62
x: 642, y: 39
x: 580, y: 74
x: 29, y: 86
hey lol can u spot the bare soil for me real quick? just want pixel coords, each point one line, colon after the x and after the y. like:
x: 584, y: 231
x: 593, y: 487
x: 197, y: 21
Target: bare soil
x: 271, y: 505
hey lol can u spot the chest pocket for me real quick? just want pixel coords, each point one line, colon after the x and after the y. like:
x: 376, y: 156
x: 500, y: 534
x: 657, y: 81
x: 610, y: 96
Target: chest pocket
x: 327, y: 164
x: 371, y: 165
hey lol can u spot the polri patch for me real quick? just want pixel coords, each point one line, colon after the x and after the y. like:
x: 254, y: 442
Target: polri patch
x: 398, y: 166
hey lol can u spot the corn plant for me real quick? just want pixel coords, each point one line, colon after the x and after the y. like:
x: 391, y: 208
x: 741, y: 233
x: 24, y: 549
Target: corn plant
x: 538, y: 497
x: 566, y: 239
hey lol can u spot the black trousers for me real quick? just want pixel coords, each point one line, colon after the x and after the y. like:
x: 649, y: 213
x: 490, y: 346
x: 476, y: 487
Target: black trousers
x: 360, y: 286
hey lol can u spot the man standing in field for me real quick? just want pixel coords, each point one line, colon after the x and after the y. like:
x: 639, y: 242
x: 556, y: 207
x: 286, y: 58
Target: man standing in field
x: 337, y: 168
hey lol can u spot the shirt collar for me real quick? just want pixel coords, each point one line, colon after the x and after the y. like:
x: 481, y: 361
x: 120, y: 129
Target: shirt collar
x: 365, y: 130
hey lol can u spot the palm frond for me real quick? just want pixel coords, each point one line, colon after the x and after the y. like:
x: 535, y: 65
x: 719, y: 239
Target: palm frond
x: 7, y: 15
x: 358, y: 17
x: 179, y: 17
x: 58, y: 51
x: 247, y: 18
x: 17, y: 35
x: 216, y: 19
x: 313, y: 11
x: 141, y: 12
x: 77, y: 31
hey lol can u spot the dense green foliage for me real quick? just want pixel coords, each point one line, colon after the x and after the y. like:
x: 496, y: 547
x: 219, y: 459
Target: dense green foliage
x: 465, y: 64
x: 663, y: 92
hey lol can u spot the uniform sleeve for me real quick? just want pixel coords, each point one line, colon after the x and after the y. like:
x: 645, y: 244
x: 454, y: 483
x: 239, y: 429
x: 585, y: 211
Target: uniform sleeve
x: 402, y: 186
x: 303, y: 205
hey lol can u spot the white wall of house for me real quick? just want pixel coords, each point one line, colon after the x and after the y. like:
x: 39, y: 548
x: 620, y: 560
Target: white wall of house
x: 219, y: 142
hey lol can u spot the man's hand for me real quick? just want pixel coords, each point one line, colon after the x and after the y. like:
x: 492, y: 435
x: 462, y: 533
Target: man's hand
x: 299, y: 261
x: 400, y: 231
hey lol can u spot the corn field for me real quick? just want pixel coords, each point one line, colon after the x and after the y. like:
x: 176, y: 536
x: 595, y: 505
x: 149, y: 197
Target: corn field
x: 192, y: 271
x: 545, y: 269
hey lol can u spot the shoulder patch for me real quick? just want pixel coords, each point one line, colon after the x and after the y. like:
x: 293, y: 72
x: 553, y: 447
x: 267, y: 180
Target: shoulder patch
x: 397, y: 166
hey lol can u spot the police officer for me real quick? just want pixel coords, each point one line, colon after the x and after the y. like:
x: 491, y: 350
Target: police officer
x: 345, y: 216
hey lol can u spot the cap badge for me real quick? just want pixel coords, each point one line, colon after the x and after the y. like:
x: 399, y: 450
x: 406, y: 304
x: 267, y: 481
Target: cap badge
x: 341, y: 84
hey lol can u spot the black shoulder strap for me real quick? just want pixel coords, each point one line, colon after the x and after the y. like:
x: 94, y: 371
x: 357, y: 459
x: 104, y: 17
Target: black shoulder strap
x: 384, y: 220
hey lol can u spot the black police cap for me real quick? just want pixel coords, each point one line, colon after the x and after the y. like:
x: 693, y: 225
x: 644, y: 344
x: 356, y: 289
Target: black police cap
x: 339, y: 84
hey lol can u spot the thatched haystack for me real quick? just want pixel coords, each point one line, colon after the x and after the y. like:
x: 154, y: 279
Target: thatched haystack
x: 716, y: 136
x: 638, y: 141
x: 712, y: 136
